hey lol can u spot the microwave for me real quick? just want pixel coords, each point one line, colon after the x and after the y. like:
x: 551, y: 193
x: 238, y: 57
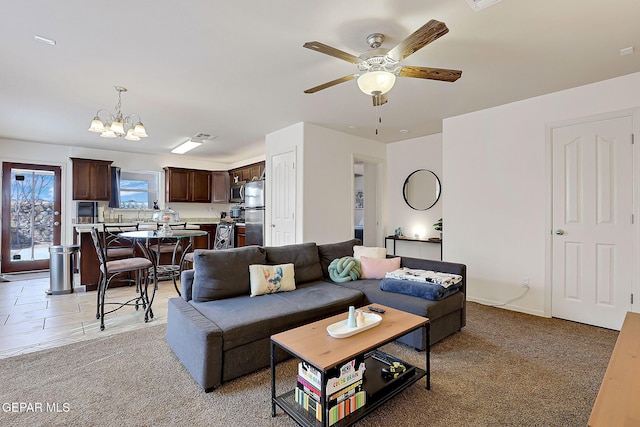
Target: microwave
x: 236, y: 195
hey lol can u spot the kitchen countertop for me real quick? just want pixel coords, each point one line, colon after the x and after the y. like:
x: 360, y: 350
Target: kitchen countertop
x: 148, y: 225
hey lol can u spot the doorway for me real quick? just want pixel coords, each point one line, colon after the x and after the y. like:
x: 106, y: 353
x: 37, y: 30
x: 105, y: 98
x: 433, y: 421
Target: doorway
x: 31, y: 215
x: 367, y: 201
x: 592, y: 244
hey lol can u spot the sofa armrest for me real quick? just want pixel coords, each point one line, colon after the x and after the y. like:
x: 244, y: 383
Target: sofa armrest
x: 186, y: 281
x: 196, y: 341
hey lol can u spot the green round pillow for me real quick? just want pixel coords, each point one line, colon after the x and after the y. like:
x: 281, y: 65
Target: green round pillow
x: 344, y: 269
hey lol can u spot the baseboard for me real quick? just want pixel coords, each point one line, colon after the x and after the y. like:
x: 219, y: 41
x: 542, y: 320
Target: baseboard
x: 511, y: 307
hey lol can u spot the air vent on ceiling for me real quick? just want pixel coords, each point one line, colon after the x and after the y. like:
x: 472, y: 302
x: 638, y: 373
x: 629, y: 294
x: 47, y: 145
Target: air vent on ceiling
x: 203, y: 136
x: 479, y: 5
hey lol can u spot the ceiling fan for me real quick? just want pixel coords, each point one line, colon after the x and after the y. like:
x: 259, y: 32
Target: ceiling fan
x: 378, y: 67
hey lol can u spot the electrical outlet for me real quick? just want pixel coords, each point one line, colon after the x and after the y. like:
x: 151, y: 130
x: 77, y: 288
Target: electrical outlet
x: 524, y: 282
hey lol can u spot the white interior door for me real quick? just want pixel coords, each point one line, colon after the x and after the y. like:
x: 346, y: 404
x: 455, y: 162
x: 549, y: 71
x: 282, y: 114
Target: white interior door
x: 592, y: 222
x: 283, y: 198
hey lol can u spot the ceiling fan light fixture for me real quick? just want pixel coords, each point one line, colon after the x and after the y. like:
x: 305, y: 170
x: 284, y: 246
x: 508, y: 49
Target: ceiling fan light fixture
x: 376, y: 81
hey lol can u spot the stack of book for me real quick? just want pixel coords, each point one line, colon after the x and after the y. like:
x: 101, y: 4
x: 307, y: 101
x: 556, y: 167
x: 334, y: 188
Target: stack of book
x: 344, y: 391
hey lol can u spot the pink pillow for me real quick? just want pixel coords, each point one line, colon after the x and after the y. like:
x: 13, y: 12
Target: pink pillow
x: 376, y: 268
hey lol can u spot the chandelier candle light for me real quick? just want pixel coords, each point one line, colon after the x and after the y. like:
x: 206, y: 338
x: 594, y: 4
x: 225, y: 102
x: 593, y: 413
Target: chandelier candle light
x: 115, y: 124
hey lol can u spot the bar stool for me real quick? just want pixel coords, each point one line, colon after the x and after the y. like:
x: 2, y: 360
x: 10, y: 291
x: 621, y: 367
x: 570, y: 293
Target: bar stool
x: 110, y: 269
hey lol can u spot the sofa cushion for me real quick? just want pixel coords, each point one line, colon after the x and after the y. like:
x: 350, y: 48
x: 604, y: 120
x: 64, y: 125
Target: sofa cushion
x: 304, y: 257
x: 369, y: 251
x: 330, y: 251
x: 269, y: 279
x: 376, y: 268
x: 224, y: 273
x: 422, y: 307
x: 244, y: 320
x: 426, y: 290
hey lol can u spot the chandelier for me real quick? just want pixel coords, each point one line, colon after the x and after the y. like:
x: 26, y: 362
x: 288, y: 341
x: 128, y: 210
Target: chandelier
x: 115, y: 125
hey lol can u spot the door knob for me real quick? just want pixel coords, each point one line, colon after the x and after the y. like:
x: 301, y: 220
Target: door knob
x: 559, y: 232
x: 56, y: 223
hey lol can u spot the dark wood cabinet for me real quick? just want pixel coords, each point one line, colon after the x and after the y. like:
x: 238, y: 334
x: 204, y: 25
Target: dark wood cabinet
x: 220, y: 187
x: 187, y: 185
x: 205, y: 242
x: 91, y: 179
x: 247, y: 173
x: 240, y: 236
x: 201, y: 188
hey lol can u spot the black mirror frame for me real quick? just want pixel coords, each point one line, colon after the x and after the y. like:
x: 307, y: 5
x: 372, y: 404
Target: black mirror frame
x: 404, y: 189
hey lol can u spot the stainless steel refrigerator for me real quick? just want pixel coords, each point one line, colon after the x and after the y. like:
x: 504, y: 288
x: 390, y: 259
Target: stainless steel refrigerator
x: 254, y: 212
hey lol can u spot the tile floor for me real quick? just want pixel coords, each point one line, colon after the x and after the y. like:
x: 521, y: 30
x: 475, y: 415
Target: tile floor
x: 31, y: 320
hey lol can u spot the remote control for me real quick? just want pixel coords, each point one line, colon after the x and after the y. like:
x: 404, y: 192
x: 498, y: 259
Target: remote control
x: 376, y: 309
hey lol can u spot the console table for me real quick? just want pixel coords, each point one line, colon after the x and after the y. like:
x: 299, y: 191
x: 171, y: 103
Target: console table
x: 395, y: 239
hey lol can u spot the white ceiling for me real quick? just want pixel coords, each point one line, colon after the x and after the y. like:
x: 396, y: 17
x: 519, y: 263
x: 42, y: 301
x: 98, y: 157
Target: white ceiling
x: 237, y: 69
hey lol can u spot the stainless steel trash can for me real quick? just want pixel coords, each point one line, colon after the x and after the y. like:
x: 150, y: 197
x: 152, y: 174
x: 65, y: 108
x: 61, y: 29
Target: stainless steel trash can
x: 63, y: 262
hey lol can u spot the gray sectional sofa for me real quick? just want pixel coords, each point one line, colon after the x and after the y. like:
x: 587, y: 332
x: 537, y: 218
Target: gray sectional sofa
x: 219, y: 332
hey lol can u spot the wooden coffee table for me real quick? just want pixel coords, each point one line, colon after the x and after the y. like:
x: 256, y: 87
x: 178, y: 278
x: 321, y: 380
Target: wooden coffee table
x: 313, y: 345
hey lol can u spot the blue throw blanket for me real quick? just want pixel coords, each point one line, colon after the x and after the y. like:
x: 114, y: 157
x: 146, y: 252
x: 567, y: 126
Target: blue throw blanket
x: 430, y: 291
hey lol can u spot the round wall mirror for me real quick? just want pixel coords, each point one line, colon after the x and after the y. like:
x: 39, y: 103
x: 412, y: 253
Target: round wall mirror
x: 421, y: 189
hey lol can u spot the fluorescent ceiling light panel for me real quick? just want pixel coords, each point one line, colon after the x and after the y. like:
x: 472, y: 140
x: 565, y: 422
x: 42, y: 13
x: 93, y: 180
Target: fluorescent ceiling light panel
x: 186, y: 146
x: 479, y: 5
x: 45, y: 40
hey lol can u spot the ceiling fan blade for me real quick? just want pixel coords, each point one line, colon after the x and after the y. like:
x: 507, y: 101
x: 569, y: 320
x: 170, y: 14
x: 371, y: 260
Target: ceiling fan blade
x: 429, y: 32
x: 441, y: 74
x: 332, y: 51
x: 331, y: 83
x: 379, y: 99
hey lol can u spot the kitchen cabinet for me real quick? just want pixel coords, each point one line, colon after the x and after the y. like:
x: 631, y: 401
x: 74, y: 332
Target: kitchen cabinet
x: 91, y: 179
x: 187, y: 185
x: 205, y: 242
x: 220, y: 187
x: 240, y: 236
x: 247, y: 173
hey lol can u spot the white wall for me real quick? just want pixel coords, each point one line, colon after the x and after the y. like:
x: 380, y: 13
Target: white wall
x: 328, y: 181
x: 325, y: 189
x: 58, y: 155
x: 496, y: 194
x: 403, y: 158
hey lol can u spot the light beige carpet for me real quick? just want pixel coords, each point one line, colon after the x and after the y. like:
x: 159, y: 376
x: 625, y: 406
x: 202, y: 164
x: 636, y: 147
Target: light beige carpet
x: 503, y: 369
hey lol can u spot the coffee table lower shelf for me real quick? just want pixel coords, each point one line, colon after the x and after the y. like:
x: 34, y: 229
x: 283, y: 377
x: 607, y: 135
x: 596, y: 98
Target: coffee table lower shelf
x: 376, y: 396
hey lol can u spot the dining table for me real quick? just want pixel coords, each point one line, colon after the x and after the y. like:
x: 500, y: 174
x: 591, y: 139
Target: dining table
x: 144, y: 240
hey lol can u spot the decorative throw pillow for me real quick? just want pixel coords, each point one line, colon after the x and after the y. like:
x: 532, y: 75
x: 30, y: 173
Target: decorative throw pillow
x: 344, y: 269
x: 269, y: 279
x: 376, y: 268
x: 371, y: 252
x: 330, y: 251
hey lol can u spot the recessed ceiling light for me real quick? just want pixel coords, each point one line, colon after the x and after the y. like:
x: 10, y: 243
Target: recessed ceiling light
x: 353, y: 127
x: 404, y: 130
x: 45, y: 40
x: 626, y: 51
